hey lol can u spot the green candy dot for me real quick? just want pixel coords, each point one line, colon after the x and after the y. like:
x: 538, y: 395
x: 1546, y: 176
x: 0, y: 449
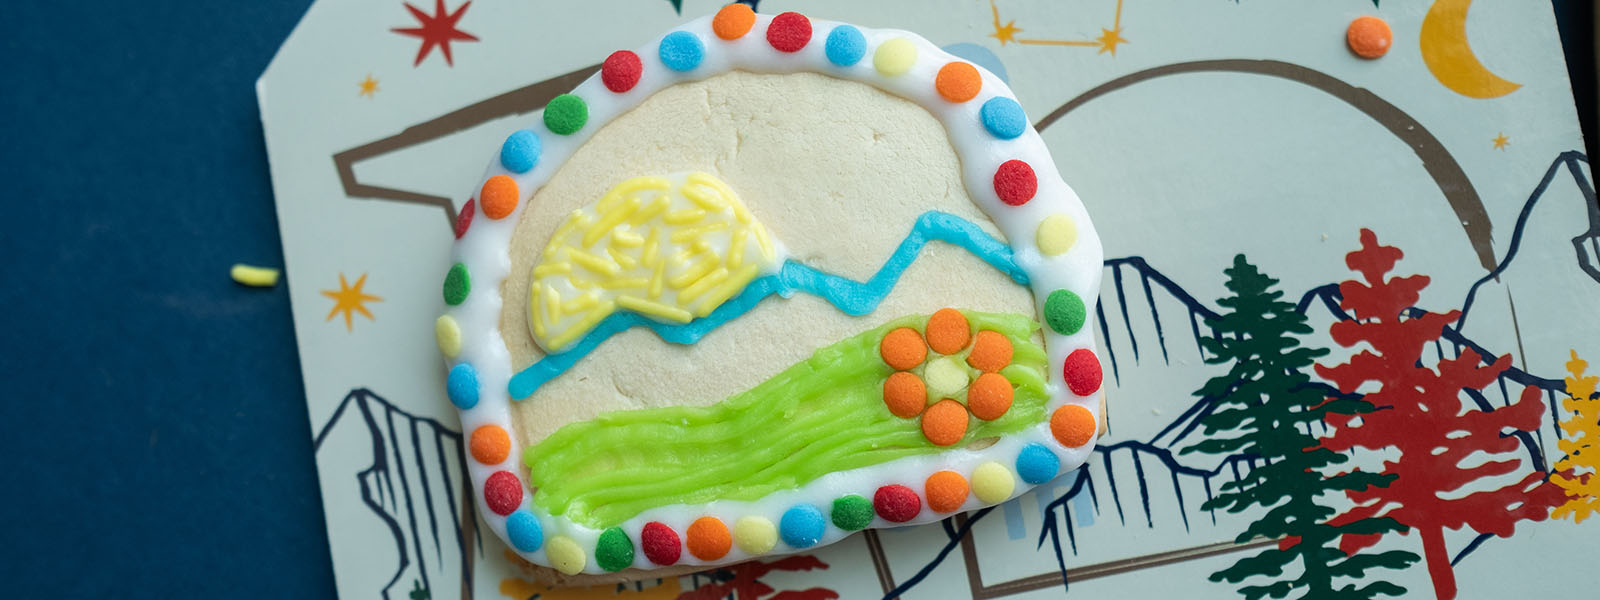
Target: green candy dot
x: 566, y: 114
x: 851, y: 513
x: 1064, y: 311
x: 614, y: 551
x: 457, y: 283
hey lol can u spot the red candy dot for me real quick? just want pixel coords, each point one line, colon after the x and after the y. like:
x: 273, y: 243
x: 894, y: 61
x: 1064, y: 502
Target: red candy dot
x: 896, y: 503
x: 789, y: 32
x: 1082, y: 371
x: 1014, y: 182
x: 660, y: 543
x: 502, y: 492
x: 464, y: 220
x: 621, y: 71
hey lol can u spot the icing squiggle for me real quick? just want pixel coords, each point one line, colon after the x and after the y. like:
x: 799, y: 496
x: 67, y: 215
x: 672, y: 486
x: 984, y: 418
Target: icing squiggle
x: 850, y: 297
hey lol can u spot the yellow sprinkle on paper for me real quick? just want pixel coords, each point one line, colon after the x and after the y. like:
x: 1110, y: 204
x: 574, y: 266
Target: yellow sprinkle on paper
x: 254, y: 276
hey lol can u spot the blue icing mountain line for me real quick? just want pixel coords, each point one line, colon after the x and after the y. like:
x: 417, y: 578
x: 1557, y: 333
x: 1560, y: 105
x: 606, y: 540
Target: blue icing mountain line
x: 849, y: 296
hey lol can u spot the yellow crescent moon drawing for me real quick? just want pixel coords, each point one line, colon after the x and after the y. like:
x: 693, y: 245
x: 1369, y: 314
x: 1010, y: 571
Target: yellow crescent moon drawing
x: 1450, y: 58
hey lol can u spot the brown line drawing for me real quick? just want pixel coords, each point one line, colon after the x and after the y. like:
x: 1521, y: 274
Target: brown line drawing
x: 880, y: 561
x: 522, y: 100
x: 1439, y: 163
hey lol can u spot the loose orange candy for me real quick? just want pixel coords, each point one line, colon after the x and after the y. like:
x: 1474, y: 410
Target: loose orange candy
x: 948, y: 331
x: 903, y: 348
x: 989, y: 396
x: 945, y: 422
x: 946, y: 491
x: 991, y: 352
x: 905, y: 394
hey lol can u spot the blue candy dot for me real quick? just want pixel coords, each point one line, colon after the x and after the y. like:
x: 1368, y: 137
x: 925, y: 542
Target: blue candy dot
x: 1003, y: 117
x: 462, y: 386
x: 802, y: 526
x: 1037, y: 464
x: 523, y: 529
x: 520, y: 152
x: 681, y: 51
x: 846, y: 46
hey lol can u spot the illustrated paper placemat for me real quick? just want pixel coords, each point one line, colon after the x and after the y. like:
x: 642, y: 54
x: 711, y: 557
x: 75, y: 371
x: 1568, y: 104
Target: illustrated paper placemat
x: 1353, y: 258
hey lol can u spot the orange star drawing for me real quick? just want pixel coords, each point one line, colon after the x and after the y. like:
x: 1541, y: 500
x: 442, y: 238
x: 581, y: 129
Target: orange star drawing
x: 350, y: 299
x: 1005, y: 33
x: 1501, y: 141
x: 369, y: 86
x: 1107, y: 42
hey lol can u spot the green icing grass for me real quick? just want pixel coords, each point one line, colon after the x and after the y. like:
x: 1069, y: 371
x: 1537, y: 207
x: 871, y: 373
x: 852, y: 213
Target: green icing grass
x: 821, y: 415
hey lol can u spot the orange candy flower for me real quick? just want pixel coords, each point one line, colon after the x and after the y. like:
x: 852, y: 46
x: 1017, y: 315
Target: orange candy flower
x: 948, y: 334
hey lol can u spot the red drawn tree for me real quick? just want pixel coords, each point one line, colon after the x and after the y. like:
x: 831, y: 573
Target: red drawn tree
x: 1421, y: 413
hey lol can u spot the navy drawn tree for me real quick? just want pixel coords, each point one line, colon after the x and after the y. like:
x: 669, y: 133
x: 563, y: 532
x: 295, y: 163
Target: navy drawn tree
x: 1265, y: 406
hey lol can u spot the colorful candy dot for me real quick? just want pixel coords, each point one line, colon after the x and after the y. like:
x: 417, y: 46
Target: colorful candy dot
x: 1072, y: 425
x: 946, y: 490
x: 904, y: 394
x: 464, y: 218
x: 448, y: 334
x: 461, y: 385
x: 948, y: 331
x: 958, y: 81
x: 802, y: 526
x: 852, y: 513
x: 681, y: 51
x: 845, y: 46
x: 498, y: 196
x: 993, y: 483
x: 1003, y: 117
x: 991, y: 352
x: 660, y: 543
x: 709, y: 538
x: 565, y: 555
x: 733, y: 21
x: 903, y: 348
x: 896, y: 503
x: 1056, y: 235
x: 1015, y: 183
x: 895, y: 57
x: 524, y: 532
x: 945, y: 422
x: 989, y: 396
x: 1082, y: 371
x: 490, y: 444
x: 613, y: 551
x: 502, y: 491
x: 1037, y: 464
x: 1369, y: 37
x: 566, y: 114
x: 755, y: 535
x: 945, y: 376
x: 457, y: 284
x: 621, y: 71
x: 520, y: 152
x: 789, y: 32
x: 1064, y: 312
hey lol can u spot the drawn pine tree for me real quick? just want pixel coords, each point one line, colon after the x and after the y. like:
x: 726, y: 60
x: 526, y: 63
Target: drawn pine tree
x: 1578, y: 473
x: 1265, y: 407
x: 1421, y: 414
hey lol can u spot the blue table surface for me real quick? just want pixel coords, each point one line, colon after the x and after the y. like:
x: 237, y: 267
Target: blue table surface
x: 156, y: 438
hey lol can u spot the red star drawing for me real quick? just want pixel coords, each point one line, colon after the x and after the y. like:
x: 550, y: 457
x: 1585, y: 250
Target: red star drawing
x: 437, y: 29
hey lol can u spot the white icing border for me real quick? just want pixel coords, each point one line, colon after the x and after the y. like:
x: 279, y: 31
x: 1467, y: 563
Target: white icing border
x: 484, y: 249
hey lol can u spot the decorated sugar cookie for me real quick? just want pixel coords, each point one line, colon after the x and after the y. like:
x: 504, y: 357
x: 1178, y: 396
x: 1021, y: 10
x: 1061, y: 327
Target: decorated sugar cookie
x: 760, y: 284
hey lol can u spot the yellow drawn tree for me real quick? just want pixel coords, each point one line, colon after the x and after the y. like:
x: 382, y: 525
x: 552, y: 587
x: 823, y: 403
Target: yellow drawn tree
x: 1578, y: 473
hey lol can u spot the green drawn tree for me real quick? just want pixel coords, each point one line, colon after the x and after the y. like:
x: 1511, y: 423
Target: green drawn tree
x: 1265, y: 406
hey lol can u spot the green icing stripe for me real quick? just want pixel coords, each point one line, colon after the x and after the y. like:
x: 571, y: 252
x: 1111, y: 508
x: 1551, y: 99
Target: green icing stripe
x: 822, y: 415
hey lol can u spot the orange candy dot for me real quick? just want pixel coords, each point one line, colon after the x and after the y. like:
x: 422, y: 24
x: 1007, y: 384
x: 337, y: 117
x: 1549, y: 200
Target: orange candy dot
x: 989, y: 396
x: 498, y: 196
x: 990, y: 353
x: 948, y: 332
x: 1369, y: 37
x: 905, y: 394
x: 733, y: 21
x: 958, y: 82
x: 1072, y: 425
x: 490, y: 444
x: 709, y: 538
x: 946, y: 491
x: 903, y: 348
x: 945, y: 422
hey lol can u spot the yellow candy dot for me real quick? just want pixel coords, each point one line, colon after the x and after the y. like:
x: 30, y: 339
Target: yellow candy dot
x: 565, y: 555
x: 755, y: 535
x: 1056, y: 235
x: 945, y: 376
x: 448, y: 334
x: 993, y: 483
x: 895, y: 57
